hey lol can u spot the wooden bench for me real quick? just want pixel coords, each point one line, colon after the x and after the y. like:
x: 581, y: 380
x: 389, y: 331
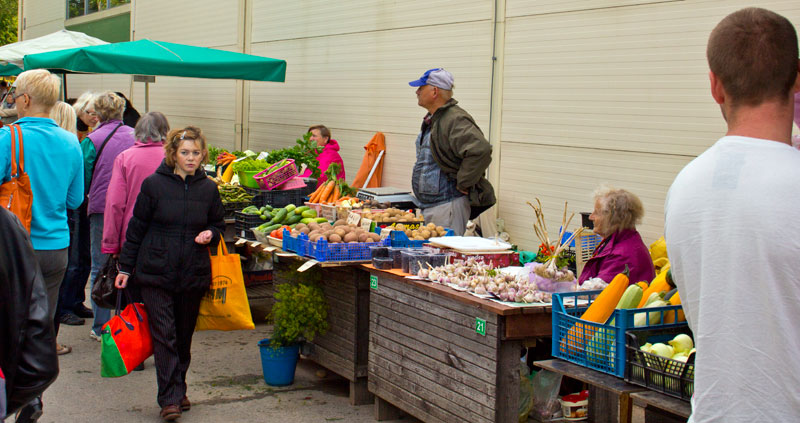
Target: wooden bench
x: 609, y: 396
x: 653, y: 407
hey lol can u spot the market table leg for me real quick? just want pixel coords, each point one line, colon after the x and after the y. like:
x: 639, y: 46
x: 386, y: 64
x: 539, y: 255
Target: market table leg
x: 608, y: 407
x: 359, y: 394
x: 384, y: 410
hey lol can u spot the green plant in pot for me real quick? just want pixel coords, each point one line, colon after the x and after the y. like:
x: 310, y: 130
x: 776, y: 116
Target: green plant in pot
x: 300, y: 311
x: 299, y: 314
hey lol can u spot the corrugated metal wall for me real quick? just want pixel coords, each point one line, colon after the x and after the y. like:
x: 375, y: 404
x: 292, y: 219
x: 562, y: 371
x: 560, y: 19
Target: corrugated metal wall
x: 591, y: 91
x: 605, y: 92
x: 349, y: 63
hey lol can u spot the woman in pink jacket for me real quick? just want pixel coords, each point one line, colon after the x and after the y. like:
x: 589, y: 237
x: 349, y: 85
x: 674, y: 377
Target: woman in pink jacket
x: 131, y: 167
x: 329, y: 154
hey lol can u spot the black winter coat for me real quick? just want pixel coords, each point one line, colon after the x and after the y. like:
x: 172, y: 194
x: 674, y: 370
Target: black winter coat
x: 27, y: 343
x: 168, y: 215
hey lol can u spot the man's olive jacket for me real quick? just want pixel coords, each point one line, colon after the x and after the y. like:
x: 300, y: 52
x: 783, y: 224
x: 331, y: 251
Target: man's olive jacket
x: 461, y: 150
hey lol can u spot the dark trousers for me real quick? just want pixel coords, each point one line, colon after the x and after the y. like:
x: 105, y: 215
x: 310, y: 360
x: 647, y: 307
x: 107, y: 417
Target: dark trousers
x: 172, y: 318
x: 73, y: 287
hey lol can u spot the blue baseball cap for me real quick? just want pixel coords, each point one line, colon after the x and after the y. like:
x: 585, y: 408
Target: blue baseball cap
x: 437, y: 77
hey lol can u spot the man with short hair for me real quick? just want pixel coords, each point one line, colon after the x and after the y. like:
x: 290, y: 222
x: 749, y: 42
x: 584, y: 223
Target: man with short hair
x: 54, y: 164
x: 731, y: 229
x: 452, y: 157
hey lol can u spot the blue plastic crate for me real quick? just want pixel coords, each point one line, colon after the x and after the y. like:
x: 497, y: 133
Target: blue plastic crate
x: 399, y: 239
x: 351, y: 251
x: 598, y: 346
x: 291, y: 244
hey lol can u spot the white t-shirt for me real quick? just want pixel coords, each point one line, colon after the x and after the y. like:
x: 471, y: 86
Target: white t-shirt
x: 733, y: 237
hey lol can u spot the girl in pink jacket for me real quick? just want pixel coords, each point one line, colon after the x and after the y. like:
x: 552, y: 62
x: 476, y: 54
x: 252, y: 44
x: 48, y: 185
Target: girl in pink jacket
x: 329, y: 154
x: 131, y: 167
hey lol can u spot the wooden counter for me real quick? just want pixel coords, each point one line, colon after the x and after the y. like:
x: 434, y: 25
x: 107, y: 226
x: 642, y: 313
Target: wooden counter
x: 442, y: 355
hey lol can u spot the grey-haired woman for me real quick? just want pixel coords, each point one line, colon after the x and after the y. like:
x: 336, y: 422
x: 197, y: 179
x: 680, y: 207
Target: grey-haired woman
x: 131, y: 167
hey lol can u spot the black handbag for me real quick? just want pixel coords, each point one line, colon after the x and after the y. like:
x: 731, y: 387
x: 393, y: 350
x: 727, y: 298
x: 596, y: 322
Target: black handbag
x: 104, y: 294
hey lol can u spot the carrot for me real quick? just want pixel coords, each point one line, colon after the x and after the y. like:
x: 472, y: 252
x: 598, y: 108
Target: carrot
x: 336, y: 194
x: 315, y: 195
x: 326, y: 193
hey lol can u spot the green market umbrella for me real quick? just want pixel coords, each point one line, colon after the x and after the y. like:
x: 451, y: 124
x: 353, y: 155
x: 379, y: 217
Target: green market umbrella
x: 149, y: 57
x: 9, y: 70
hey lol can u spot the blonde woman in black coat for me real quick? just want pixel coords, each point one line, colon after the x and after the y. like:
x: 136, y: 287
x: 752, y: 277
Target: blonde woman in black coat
x: 178, y: 215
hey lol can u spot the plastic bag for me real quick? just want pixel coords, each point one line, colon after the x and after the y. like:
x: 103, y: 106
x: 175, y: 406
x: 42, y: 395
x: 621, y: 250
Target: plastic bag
x: 545, y: 395
x: 525, y: 393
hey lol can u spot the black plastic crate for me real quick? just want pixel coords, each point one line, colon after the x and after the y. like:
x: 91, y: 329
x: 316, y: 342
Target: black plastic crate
x: 660, y: 374
x: 230, y: 208
x: 311, y: 186
x: 244, y: 223
x: 276, y: 198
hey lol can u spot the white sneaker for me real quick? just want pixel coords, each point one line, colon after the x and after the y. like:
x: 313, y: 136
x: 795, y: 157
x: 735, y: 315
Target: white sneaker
x: 95, y: 336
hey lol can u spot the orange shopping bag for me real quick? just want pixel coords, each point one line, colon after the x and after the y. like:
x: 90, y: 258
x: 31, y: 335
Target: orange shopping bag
x: 225, y: 306
x: 16, y: 194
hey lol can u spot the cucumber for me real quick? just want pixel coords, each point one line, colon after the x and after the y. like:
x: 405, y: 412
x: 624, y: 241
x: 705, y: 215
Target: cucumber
x: 271, y: 228
x: 263, y: 216
x: 302, y: 209
x: 320, y: 219
x: 310, y: 213
x: 268, y: 207
x: 307, y: 220
x: 279, y: 217
x: 293, y: 219
x: 290, y: 207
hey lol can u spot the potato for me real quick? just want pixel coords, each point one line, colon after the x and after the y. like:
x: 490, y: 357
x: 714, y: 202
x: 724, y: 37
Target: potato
x: 375, y: 237
x: 431, y: 226
x: 305, y: 230
x: 440, y: 229
x: 300, y: 226
x: 334, y: 238
x: 425, y: 233
x: 313, y: 226
x: 340, y: 222
x: 409, y: 233
x: 400, y: 227
x: 415, y: 233
x: 441, y: 232
x: 363, y: 236
x: 340, y: 231
x: 315, y: 237
x: 350, y: 237
x: 419, y: 238
x: 326, y: 226
x: 409, y: 216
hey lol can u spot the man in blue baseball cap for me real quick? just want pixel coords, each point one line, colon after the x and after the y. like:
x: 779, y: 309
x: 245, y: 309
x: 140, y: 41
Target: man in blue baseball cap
x: 452, y: 157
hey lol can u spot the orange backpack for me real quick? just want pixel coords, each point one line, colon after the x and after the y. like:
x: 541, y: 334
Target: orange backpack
x: 16, y: 194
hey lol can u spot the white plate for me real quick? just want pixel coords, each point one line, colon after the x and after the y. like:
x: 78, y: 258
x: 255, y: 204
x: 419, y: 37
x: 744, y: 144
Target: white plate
x: 470, y: 243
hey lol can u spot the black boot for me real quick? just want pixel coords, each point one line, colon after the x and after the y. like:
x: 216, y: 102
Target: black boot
x: 31, y: 412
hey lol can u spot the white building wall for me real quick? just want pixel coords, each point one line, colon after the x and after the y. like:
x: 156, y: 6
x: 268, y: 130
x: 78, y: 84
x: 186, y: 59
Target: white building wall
x: 349, y: 63
x: 605, y: 92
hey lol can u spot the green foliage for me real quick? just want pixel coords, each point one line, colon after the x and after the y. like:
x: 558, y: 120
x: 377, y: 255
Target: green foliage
x: 8, y: 21
x: 300, y: 311
x: 305, y: 151
x: 250, y: 164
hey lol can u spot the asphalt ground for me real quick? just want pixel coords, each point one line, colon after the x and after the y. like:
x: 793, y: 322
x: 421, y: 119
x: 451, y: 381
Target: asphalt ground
x: 225, y: 384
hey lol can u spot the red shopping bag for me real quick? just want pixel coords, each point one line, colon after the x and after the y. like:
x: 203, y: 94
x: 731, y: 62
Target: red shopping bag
x: 126, y: 340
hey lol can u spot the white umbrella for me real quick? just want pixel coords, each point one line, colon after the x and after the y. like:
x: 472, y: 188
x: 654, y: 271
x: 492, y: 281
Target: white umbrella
x: 14, y: 53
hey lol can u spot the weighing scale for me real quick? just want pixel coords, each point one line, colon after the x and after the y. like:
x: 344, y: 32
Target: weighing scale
x: 398, y: 198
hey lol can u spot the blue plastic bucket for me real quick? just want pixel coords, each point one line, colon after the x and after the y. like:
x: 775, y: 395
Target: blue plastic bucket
x: 278, y: 364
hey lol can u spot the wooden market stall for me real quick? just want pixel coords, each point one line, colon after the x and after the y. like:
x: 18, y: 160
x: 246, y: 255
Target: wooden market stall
x: 442, y: 355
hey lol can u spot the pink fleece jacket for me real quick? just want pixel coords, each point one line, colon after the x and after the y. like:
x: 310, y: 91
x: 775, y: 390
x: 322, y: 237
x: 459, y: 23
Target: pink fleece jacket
x: 329, y: 154
x: 131, y: 167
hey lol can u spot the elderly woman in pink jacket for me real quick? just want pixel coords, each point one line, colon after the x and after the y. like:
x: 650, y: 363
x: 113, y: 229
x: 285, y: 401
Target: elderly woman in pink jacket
x: 329, y: 154
x: 131, y: 167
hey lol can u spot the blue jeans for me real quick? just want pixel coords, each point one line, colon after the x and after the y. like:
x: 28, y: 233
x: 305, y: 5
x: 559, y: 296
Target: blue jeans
x: 73, y: 287
x: 101, y: 315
